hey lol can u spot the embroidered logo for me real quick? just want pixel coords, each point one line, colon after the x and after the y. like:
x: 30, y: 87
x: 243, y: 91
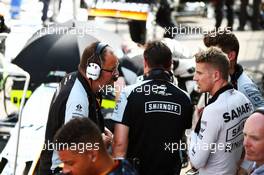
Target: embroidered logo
x: 79, y: 108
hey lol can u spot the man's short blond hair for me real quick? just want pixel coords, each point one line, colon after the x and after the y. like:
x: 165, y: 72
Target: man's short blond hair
x: 216, y: 58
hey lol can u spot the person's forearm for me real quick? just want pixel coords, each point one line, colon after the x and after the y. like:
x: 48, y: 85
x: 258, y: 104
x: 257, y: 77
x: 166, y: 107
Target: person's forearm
x: 119, y: 150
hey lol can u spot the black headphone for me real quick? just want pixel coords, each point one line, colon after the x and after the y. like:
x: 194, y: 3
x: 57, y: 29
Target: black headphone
x: 93, y: 69
x: 259, y: 110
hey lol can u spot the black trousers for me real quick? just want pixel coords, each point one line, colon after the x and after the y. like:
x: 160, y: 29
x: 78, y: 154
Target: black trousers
x: 243, y: 15
x: 164, y: 18
x: 137, y: 30
x: 219, y: 12
x: 45, y: 9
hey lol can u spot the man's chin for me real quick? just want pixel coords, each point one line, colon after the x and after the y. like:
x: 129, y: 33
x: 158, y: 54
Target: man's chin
x: 200, y: 90
x: 249, y: 157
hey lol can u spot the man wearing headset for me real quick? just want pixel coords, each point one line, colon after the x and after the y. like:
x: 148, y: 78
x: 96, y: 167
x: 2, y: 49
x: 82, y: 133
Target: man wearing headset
x: 78, y: 96
x: 254, y: 141
x: 151, y: 117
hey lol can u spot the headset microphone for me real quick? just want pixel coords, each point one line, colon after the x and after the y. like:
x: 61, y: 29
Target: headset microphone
x: 115, y: 77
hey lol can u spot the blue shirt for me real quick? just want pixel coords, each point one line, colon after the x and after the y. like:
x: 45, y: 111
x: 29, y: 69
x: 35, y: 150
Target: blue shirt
x: 259, y: 170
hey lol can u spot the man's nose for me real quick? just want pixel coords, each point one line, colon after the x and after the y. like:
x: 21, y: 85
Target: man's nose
x: 66, y: 171
x: 246, y: 142
x: 195, y: 77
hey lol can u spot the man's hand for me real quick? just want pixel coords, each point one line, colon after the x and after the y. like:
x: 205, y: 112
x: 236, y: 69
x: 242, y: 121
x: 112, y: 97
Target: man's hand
x: 197, y: 116
x: 107, y: 137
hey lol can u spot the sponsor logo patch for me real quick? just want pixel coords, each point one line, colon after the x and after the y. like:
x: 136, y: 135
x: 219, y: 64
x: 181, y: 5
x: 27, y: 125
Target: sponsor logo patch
x: 79, y: 108
x: 162, y: 106
x: 235, y: 131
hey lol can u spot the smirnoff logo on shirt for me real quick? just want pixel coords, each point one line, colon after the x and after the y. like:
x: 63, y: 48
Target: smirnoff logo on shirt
x: 162, y: 106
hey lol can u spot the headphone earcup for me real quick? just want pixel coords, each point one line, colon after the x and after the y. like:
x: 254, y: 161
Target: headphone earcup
x: 93, y: 71
x: 93, y: 68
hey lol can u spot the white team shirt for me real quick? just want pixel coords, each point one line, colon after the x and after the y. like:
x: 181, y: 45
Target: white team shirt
x: 218, y: 146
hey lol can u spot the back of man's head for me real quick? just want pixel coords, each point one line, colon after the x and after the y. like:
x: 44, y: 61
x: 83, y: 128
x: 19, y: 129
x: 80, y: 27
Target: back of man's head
x: 80, y: 133
x: 216, y: 58
x: 224, y: 39
x: 158, y: 55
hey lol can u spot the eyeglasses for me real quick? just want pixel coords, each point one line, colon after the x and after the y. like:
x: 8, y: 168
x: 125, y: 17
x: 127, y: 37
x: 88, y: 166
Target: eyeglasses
x: 114, y: 71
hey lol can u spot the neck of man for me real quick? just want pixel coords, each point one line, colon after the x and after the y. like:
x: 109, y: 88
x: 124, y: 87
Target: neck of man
x: 259, y: 163
x: 94, y: 86
x: 232, y: 67
x: 218, y: 85
x: 147, y: 69
x: 105, y: 164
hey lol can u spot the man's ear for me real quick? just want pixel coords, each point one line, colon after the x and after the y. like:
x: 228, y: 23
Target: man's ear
x: 93, y: 155
x: 147, y: 67
x: 145, y: 62
x: 232, y: 56
x: 217, y: 75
